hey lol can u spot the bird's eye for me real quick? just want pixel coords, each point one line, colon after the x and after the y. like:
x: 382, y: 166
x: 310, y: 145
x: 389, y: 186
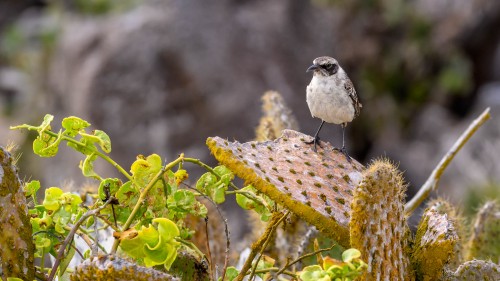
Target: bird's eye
x: 328, y: 66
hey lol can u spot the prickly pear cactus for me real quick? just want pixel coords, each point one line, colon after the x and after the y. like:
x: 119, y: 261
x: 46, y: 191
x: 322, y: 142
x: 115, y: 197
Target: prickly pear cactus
x: 277, y: 117
x: 316, y: 186
x: 17, y: 250
x: 475, y: 270
x: 437, y: 241
x: 378, y: 224
x: 109, y: 267
x: 485, y: 240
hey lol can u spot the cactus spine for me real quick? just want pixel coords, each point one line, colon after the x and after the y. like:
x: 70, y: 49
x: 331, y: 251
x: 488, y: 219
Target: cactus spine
x: 437, y: 241
x: 485, y: 242
x: 378, y: 225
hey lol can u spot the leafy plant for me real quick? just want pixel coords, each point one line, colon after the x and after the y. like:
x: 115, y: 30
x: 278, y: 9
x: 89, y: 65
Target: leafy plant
x: 348, y: 269
x: 147, y: 210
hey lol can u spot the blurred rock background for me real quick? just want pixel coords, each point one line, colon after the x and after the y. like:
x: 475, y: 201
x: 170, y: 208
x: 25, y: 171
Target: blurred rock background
x: 162, y: 76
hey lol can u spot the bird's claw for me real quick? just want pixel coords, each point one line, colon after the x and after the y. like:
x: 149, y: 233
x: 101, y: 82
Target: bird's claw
x: 314, y: 141
x: 343, y: 150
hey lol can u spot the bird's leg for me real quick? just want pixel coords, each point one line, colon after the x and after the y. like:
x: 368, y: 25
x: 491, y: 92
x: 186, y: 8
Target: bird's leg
x: 315, y: 140
x: 343, y: 149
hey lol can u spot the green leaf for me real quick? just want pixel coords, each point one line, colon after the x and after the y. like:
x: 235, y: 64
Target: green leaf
x: 166, y: 251
x: 252, y: 204
x: 350, y: 254
x: 209, y: 185
x: 113, y: 185
x: 314, y: 273
x: 133, y: 244
x: 154, y: 246
x: 231, y: 274
x: 31, y: 188
x: 74, y: 125
x: 46, y: 145
x: 183, y: 201
x: 104, y: 140
x: 70, y: 201
x: 66, y: 260
x: 87, y: 166
x: 99, y: 137
x: 43, y: 223
x: 45, y: 126
x: 61, y: 219
x: 90, y: 222
x: 51, y: 201
x: 145, y: 168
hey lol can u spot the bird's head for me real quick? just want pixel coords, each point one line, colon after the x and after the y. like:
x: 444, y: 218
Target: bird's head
x: 324, y: 66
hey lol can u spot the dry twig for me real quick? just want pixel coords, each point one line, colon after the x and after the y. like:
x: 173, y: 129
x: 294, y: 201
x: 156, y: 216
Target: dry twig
x: 432, y: 182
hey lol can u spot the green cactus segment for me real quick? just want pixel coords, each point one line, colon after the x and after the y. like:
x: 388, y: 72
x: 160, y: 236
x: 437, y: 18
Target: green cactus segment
x: 485, y: 240
x: 378, y: 225
x: 108, y: 267
x: 17, y: 251
x: 277, y: 117
x: 475, y: 270
x: 436, y: 243
x: 310, y: 184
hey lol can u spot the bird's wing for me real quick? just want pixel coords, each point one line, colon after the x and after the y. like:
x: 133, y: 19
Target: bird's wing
x: 354, y: 97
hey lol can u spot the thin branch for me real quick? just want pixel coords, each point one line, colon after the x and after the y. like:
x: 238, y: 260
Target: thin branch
x: 261, y: 252
x: 209, y: 253
x: 70, y: 236
x: 432, y: 182
x: 88, y: 239
x: 276, y: 269
x: 226, y: 230
x: 303, y: 257
x: 257, y: 245
x: 191, y: 246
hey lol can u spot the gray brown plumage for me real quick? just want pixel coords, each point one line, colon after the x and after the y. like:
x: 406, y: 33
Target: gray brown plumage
x: 331, y: 96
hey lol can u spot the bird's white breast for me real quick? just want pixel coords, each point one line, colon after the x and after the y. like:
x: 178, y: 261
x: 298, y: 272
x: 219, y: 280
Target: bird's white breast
x: 328, y: 100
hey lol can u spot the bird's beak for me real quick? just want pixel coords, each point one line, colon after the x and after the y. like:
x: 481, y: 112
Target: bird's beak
x: 312, y: 67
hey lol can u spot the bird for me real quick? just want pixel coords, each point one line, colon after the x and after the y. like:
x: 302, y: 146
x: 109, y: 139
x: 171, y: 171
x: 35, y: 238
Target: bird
x: 331, y: 97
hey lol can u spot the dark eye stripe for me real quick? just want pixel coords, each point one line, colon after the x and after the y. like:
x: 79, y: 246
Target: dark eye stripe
x: 331, y: 68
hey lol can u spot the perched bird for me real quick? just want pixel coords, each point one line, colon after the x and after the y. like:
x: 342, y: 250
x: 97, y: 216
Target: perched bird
x: 331, y: 97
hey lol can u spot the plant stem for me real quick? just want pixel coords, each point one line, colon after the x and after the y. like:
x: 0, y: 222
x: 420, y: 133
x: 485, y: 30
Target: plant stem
x: 275, y: 269
x: 142, y: 197
x: 263, y: 248
x: 68, y: 239
x: 209, y: 169
x: 68, y: 139
x: 257, y: 245
x: 192, y: 246
x: 432, y: 182
x: 303, y: 257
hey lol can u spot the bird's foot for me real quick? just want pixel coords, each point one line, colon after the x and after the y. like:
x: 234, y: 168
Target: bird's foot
x: 343, y: 150
x: 314, y: 141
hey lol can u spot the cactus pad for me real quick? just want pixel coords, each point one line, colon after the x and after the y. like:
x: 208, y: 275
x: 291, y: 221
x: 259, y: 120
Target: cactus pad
x: 485, y: 241
x: 378, y: 224
x: 277, y: 117
x: 109, y: 267
x: 475, y: 270
x: 436, y: 242
x: 316, y: 186
x: 17, y: 250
